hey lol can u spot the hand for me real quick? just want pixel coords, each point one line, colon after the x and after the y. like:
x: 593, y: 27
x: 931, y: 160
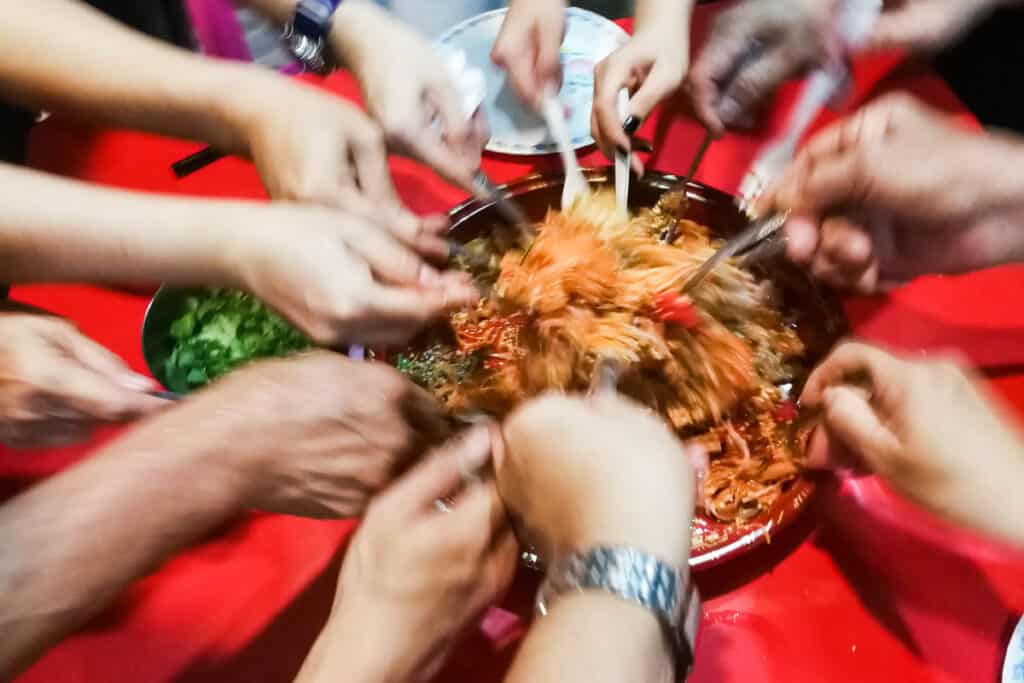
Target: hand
x: 651, y: 66
x: 340, y: 279
x: 577, y: 473
x: 752, y: 49
x: 928, y: 26
x: 57, y: 385
x: 528, y: 47
x: 928, y: 428
x: 311, y: 146
x: 415, y: 577
x: 407, y: 90
x: 315, y: 435
x: 897, y: 191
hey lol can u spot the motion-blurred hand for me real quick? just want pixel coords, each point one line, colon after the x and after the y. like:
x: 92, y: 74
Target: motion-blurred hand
x: 753, y: 48
x: 651, y: 66
x: 897, y: 191
x: 57, y: 385
x: 407, y: 90
x: 315, y: 435
x: 340, y: 278
x: 928, y: 26
x: 528, y: 47
x: 928, y: 428
x: 581, y: 472
x: 414, y: 577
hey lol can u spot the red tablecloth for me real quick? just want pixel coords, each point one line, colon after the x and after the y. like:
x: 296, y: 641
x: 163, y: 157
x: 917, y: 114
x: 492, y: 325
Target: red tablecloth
x: 864, y: 588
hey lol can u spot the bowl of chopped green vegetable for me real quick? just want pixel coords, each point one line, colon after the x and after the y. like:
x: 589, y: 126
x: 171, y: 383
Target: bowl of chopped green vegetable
x: 192, y: 336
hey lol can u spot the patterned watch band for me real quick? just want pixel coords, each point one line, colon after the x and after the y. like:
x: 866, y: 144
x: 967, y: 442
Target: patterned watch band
x: 637, y: 577
x: 306, y: 36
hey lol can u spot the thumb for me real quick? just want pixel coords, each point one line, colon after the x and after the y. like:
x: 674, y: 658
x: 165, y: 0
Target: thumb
x: 850, y: 419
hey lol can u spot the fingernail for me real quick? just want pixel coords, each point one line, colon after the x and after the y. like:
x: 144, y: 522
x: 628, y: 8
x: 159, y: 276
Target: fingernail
x: 137, y: 382
x: 631, y: 124
x: 729, y: 110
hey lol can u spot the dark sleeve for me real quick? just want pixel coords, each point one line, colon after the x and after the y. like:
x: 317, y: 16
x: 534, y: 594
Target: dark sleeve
x: 984, y: 70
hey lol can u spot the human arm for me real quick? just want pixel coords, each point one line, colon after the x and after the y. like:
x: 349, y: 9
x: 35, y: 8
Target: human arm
x: 315, y: 435
x: 651, y: 66
x: 899, y: 190
x: 575, y: 474
x: 344, y: 281
x: 307, y: 145
x: 930, y: 428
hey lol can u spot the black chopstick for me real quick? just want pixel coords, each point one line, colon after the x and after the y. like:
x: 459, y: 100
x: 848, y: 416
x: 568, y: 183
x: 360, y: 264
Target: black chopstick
x: 195, y: 162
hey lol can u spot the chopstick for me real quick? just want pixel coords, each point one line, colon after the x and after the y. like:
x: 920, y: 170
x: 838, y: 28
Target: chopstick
x: 196, y: 162
x: 670, y: 233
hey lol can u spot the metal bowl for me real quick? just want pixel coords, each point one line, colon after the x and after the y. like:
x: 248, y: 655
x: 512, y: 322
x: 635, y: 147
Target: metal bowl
x: 166, y: 306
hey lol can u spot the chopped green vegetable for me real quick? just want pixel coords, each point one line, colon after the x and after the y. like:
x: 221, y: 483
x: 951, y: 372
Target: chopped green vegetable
x: 437, y: 366
x: 221, y: 330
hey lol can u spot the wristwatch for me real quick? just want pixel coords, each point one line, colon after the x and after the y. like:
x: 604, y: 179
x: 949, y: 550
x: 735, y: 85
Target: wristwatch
x: 306, y: 35
x: 640, y: 578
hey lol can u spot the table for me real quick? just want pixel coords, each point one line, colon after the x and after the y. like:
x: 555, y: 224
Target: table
x: 863, y: 588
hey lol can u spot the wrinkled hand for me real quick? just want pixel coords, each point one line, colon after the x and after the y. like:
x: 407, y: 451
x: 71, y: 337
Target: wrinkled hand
x: 528, y: 47
x: 407, y: 90
x: 752, y: 49
x: 651, y: 66
x: 343, y: 280
x: 928, y: 26
x: 317, y: 435
x: 897, y: 191
x: 57, y: 385
x: 414, y: 577
x: 580, y: 472
x: 928, y: 428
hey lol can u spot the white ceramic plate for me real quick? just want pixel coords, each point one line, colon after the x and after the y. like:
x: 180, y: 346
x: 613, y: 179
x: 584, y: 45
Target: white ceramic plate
x: 515, y: 129
x: 1013, y: 665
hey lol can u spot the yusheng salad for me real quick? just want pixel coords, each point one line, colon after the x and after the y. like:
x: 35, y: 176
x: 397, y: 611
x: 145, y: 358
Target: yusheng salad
x: 591, y: 286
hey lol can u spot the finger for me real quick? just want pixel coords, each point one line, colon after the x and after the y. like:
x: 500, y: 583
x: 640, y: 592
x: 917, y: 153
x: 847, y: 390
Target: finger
x: 95, y: 396
x: 516, y: 55
x: 400, y: 312
x: 481, y: 506
x: 452, y: 166
x: 102, y: 361
x: 612, y: 76
x: 439, y: 475
x: 723, y: 53
x: 846, y: 244
x: 914, y: 27
x: 801, y: 236
x: 454, y: 121
x: 548, y: 66
x: 754, y: 80
x: 851, y: 420
x: 391, y: 261
x: 370, y: 158
x: 851, y: 359
x: 838, y: 181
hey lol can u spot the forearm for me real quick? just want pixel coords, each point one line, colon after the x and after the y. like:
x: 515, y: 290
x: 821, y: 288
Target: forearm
x: 73, y: 542
x: 54, y: 229
x: 63, y: 55
x: 596, y: 638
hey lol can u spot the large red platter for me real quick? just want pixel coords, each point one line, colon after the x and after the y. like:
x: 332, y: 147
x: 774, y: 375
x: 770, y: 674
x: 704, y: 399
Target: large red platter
x: 713, y: 542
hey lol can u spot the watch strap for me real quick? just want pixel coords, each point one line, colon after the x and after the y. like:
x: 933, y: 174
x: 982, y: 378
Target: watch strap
x: 306, y: 35
x: 638, y: 577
